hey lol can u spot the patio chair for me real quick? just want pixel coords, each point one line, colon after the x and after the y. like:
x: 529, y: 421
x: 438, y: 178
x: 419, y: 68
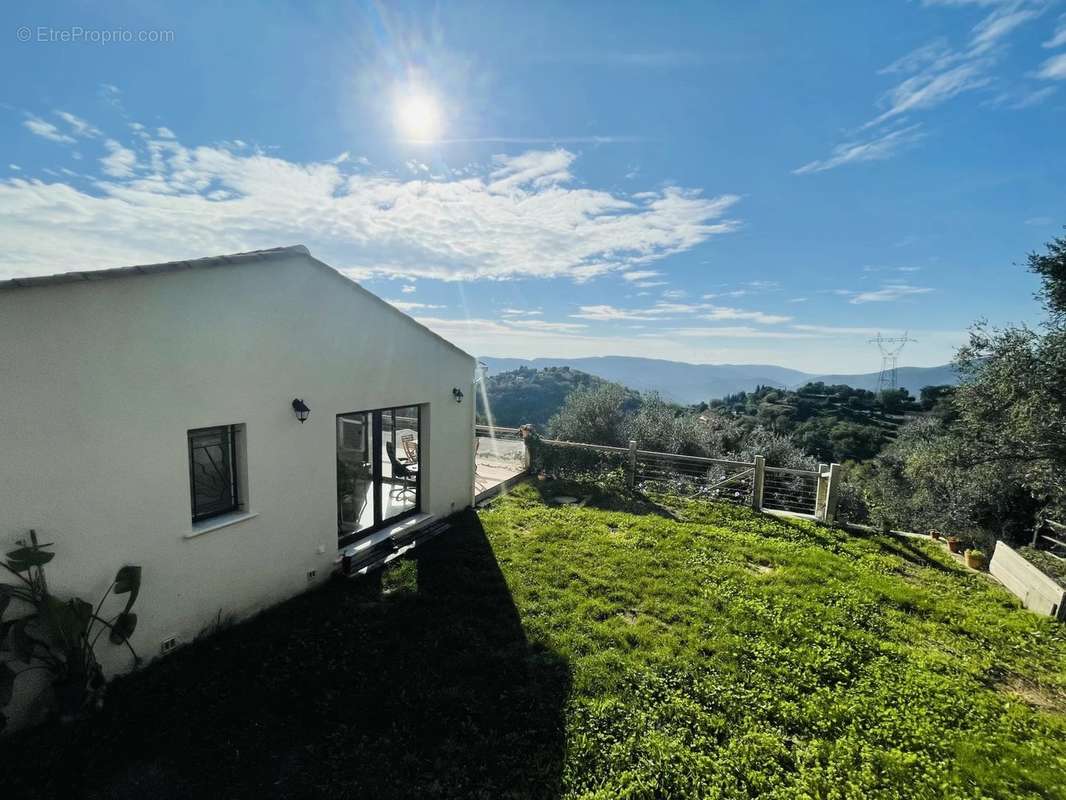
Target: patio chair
x: 407, y: 473
x: 410, y: 447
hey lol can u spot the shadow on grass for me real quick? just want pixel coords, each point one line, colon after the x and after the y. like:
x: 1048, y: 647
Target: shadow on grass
x: 902, y: 547
x: 429, y: 689
x: 599, y: 497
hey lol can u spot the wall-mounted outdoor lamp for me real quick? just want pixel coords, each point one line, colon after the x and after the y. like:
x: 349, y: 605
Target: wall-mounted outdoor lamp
x: 301, y: 410
x: 457, y: 393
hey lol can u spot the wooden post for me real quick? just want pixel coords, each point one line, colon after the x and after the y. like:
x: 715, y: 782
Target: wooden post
x: 822, y: 491
x: 632, y: 463
x: 832, y: 494
x: 757, y: 483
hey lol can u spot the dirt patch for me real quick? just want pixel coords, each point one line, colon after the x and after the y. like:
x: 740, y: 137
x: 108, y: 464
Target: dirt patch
x: 1046, y: 698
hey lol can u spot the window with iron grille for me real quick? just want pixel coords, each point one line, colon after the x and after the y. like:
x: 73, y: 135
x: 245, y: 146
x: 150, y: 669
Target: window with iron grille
x: 213, y: 471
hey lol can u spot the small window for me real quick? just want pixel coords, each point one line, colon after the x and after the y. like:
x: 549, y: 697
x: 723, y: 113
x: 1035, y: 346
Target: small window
x: 213, y: 471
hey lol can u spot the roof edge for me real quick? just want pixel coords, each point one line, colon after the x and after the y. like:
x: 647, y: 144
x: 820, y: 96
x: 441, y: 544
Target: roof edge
x: 210, y: 262
x: 385, y: 303
x: 90, y: 276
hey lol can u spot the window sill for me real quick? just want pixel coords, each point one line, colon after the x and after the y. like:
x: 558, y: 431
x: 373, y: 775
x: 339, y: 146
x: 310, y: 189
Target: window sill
x: 217, y: 523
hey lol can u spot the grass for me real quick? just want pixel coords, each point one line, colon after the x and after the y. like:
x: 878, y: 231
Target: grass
x: 1054, y: 568
x: 614, y: 650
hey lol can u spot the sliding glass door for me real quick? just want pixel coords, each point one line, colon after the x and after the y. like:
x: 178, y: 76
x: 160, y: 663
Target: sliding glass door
x: 378, y: 480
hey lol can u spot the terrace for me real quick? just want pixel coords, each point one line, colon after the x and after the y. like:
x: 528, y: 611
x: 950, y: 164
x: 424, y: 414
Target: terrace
x: 620, y: 646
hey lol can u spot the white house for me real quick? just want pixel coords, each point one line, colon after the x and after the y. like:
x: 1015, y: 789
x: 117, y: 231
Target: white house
x: 149, y: 415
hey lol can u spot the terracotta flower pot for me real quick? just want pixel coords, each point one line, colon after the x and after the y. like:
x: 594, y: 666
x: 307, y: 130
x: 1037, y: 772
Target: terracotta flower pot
x: 954, y: 545
x: 975, y: 559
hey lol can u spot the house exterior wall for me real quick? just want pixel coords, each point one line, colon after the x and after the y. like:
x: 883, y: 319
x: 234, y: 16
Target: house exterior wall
x: 100, y: 382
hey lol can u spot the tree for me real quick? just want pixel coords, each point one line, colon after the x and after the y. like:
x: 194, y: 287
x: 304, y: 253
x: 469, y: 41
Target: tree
x: 1012, y: 401
x: 597, y: 415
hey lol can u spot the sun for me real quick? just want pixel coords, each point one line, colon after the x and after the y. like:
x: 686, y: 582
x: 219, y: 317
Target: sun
x: 417, y: 114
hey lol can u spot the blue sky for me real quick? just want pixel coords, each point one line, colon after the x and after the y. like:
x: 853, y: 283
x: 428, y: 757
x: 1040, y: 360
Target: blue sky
x: 765, y: 182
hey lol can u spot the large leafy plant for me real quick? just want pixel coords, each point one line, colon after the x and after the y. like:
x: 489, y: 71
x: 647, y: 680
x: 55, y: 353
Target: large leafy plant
x: 43, y: 632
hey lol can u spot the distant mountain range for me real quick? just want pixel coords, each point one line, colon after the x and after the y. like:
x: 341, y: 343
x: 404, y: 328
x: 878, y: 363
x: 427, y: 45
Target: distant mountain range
x: 692, y: 383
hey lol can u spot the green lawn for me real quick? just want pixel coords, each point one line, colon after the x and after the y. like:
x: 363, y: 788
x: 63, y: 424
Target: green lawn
x: 613, y: 650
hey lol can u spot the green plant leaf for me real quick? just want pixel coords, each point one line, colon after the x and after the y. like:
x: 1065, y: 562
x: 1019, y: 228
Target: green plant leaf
x: 128, y: 580
x: 67, y: 622
x: 123, y: 627
x: 22, y: 593
x: 26, y: 557
x: 7, y: 683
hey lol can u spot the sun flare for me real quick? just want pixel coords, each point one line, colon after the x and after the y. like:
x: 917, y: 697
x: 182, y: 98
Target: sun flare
x: 417, y: 114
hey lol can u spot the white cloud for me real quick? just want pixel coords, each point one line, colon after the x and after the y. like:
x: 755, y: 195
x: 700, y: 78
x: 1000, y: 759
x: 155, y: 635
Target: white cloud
x: 877, y: 148
x: 1054, y: 68
x: 608, y: 313
x: 14, y: 167
x: 522, y: 217
x: 1026, y: 97
x: 520, y: 312
x: 887, y: 293
x: 403, y: 305
x: 1000, y: 23
x: 931, y: 88
x: 724, y: 313
x: 111, y: 94
x: 1039, y: 221
x: 46, y: 130
x: 833, y: 330
x: 78, y: 126
x: 665, y: 310
x: 1058, y: 38
x: 342, y: 157
x: 409, y: 288
x: 120, y: 161
x: 544, y: 325
x: 740, y: 332
x: 935, y: 73
x: 846, y: 348
x: 641, y: 275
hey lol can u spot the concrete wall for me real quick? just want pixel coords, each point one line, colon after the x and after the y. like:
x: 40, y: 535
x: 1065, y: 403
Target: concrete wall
x: 1036, y: 590
x: 100, y: 382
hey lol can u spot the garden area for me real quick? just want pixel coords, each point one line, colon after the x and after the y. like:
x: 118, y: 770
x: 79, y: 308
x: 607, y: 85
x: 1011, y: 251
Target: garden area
x: 617, y: 647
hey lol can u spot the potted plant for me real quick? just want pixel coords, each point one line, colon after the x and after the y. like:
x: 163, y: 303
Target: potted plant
x: 934, y: 534
x: 975, y: 559
x: 955, y: 544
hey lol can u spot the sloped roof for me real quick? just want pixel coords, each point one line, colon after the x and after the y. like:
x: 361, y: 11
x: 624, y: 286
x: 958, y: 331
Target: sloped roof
x: 81, y: 276
x: 212, y: 262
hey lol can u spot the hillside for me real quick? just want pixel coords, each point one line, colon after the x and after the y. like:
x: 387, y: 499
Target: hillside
x: 532, y: 395
x: 694, y: 383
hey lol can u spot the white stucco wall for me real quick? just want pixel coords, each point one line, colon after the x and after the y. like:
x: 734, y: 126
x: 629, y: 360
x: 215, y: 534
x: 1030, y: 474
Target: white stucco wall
x: 100, y: 382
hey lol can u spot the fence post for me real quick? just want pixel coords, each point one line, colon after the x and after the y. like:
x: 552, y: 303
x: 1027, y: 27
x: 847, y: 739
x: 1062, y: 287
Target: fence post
x: 832, y: 493
x: 632, y: 463
x: 526, y: 432
x: 757, y: 483
x: 821, y: 493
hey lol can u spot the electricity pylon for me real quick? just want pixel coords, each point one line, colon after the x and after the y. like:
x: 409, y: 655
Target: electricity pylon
x: 890, y: 350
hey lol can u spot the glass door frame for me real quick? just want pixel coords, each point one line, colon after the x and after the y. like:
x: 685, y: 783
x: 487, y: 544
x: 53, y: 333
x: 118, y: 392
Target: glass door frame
x: 377, y: 465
